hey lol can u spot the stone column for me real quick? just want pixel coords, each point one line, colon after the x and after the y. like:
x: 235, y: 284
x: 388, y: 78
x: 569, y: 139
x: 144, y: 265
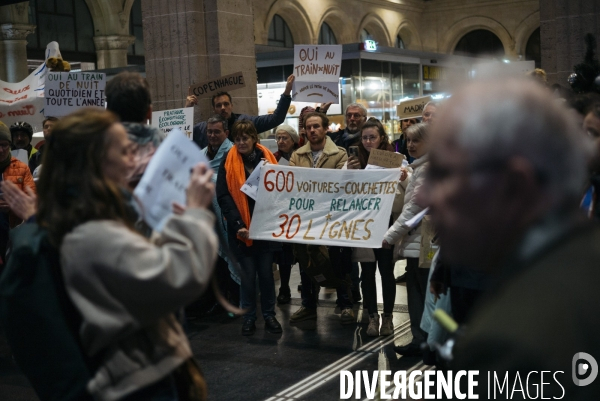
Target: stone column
x: 111, y: 50
x: 13, y: 51
x: 563, y: 26
x: 190, y: 41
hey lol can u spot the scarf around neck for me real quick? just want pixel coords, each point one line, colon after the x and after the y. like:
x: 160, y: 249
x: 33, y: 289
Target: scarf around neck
x: 236, y: 177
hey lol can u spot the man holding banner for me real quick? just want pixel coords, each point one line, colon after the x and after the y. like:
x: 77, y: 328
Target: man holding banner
x: 319, y: 152
x: 223, y: 105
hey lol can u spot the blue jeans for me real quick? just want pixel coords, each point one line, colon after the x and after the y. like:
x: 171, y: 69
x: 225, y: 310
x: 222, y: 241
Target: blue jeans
x: 260, y: 264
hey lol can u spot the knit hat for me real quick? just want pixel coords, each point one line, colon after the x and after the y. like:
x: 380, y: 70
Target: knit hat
x: 290, y: 130
x: 4, y: 132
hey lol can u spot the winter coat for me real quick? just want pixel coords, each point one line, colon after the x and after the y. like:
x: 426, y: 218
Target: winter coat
x: 18, y: 173
x: 126, y: 289
x: 332, y: 157
x: 410, y: 246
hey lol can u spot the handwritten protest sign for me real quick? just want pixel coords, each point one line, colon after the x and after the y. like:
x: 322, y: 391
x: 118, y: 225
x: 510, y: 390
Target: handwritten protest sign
x: 317, y: 70
x: 412, y: 108
x: 222, y: 84
x: 167, y: 177
x: 383, y: 158
x: 67, y: 92
x: 335, y: 207
x: 168, y: 120
x: 24, y: 101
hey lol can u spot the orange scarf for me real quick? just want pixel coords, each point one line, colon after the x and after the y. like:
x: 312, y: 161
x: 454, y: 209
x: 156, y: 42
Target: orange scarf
x: 236, y: 177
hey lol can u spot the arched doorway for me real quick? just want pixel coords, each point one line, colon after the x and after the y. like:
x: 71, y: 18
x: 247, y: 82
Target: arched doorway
x: 478, y: 43
x: 533, y: 50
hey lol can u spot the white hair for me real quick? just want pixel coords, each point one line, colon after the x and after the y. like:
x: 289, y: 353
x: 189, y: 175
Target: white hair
x: 501, y: 120
x: 360, y: 106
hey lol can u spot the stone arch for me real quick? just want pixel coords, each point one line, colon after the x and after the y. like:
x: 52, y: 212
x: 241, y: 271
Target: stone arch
x: 452, y: 36
x: 295, y: 17
x: 111, y: 17
x: 376, y: 27
x: 524, y: 31
x: 409, y: 34
x: 337, y: 21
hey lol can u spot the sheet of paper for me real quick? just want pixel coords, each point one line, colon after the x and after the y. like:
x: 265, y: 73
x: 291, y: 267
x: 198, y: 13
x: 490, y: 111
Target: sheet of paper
x: 166, y: 178
x: 250, y: 187
x: 20, y: 154
x: 412, y: 223
x: 284, y: 162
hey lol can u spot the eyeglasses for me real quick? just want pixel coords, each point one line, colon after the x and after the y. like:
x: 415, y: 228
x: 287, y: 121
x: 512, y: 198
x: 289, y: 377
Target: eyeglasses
x: 5, y: 145
x: 369, y: 138
x: 213, y: 132
x: 282, y: 138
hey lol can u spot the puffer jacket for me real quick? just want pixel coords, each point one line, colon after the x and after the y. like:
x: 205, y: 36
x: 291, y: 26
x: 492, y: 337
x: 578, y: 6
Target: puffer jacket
x: 410, y: 246
x: 18, y: 173
x: 332, y: 157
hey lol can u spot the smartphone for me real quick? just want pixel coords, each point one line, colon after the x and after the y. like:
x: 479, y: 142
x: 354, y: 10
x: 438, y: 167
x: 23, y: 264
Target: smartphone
x: 353, y: 151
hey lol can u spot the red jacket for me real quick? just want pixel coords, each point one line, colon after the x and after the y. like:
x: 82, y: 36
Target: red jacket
x: 18, y: 173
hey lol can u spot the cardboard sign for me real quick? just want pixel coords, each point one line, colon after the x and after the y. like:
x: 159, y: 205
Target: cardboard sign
x: 384, y: 158
x: 211, y: 87
x: 166, y: 178
x: 317, y: 70
x: 168, y: 120
x: 328, y: 207
x: 67, y: 92
x: 412, y: 108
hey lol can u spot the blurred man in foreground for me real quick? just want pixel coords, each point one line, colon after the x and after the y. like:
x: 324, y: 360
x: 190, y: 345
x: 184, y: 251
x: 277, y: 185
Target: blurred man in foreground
x: 507, y: 169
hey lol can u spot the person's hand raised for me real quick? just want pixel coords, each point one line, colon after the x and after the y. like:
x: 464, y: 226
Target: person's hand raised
x: 201, y: 189
x: 289, y: 84
x: 191, y: 100
x: 22, y: 204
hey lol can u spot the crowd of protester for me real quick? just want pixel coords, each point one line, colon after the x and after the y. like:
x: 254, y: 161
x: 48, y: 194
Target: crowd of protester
x: 512, y: 192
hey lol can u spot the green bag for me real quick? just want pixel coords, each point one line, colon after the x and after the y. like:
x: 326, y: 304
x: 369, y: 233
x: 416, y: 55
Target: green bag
x: 39, y: 319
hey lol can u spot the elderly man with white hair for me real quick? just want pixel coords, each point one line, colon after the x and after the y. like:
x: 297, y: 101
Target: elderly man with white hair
x: 507, y: 170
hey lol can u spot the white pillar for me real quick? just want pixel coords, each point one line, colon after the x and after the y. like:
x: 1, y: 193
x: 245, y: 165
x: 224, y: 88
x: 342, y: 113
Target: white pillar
x: 112, y: 50
x: 13, y: 51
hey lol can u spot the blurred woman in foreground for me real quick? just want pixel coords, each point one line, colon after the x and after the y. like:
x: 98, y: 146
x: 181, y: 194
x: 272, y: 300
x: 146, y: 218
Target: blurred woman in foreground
x: 124, y: 286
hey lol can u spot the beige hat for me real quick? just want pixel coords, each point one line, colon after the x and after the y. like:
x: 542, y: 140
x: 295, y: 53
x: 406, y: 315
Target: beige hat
x: 290, y: 130
x: 5, y: 132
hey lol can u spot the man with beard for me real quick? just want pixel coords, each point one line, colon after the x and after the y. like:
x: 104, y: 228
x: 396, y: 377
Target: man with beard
x: 223, y: 105
x: 356, y: 116
x: 319, y: 152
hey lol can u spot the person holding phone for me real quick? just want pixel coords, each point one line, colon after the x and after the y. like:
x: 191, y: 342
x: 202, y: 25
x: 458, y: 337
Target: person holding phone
x: 373, y: 136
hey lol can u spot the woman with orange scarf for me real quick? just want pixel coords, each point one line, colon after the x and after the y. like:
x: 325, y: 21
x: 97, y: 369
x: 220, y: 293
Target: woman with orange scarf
x: 255, y: 257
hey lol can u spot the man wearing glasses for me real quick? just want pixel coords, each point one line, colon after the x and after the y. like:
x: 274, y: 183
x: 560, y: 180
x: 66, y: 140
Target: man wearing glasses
x: 356, y: 115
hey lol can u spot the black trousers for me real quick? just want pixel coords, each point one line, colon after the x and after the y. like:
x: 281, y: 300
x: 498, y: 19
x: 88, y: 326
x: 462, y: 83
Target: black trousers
x: 416, y: 288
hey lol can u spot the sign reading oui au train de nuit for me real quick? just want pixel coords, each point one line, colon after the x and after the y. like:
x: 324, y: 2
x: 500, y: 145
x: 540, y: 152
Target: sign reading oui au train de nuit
x: 333, y: 207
